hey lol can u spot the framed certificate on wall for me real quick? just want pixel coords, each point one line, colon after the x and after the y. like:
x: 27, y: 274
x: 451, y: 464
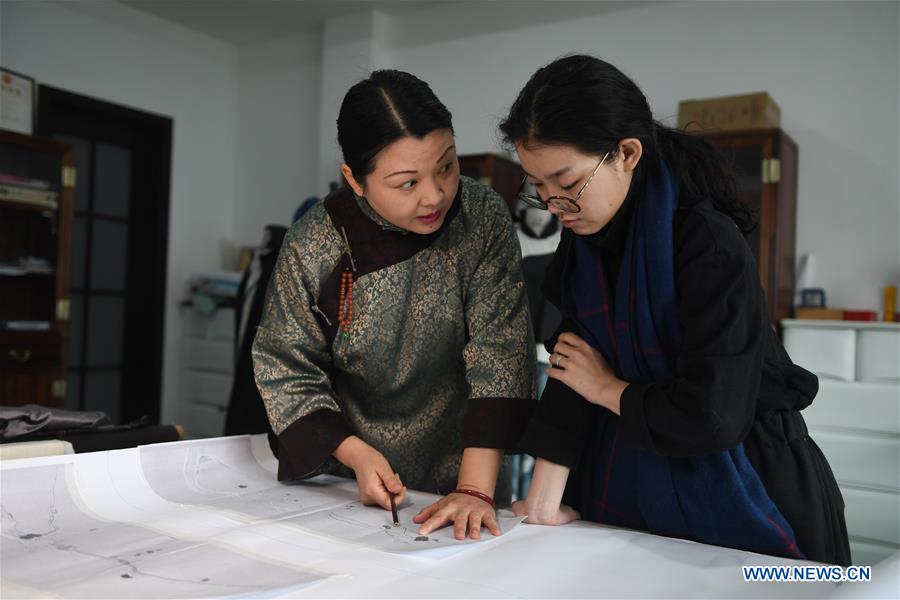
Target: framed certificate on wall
x: 16, y: 102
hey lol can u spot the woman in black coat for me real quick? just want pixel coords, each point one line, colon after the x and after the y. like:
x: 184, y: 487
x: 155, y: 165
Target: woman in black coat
x: 671, y: 406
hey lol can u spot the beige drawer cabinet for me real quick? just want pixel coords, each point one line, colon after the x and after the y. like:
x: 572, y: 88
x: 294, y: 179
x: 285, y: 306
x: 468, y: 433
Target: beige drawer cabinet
x: 855, y: 419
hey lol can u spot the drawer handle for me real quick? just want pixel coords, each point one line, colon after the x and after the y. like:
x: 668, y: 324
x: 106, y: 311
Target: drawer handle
x: 21, y: 357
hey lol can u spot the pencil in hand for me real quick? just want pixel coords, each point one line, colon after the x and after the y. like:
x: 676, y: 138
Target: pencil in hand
x: 394, y: 510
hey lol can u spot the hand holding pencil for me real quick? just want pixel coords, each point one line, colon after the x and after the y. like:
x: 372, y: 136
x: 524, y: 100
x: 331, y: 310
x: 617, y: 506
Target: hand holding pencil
x: 378, y: 484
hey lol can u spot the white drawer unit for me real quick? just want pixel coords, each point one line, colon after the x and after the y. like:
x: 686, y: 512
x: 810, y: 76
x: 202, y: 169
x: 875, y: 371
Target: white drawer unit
x: 828, y: 352
x: 206, y: 379
x: 208, y: 387
x: 855, y: 405
x: 867, y: 460
x: 216, y: 356
x: 855, y: 420
x: 872, y: 514
x: 204, y: 420
x: 878, y: 355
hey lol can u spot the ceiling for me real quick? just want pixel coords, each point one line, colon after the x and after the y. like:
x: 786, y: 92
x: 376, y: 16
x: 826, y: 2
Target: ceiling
x: 249, y: 21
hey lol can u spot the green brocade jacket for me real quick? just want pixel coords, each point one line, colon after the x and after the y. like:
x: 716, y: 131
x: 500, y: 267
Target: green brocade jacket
x: 438, y: 356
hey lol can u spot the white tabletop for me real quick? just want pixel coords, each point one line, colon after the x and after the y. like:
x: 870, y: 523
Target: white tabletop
x: 206, y: 518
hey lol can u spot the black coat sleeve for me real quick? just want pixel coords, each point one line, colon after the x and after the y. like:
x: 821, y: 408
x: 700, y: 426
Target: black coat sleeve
x: 710, y: 406
x: 561, y: 421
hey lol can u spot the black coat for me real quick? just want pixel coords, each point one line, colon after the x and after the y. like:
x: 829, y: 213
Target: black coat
x: 246, y: 411
x: 735, y: 382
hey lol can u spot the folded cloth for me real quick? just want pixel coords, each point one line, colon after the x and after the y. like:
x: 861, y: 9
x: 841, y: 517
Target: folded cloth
x: 33, y: 421
x: 18, y: 421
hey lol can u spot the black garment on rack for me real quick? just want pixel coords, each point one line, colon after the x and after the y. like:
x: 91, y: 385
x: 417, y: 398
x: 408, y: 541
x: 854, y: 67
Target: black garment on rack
x: 545, y: 317
x: 246, y: 413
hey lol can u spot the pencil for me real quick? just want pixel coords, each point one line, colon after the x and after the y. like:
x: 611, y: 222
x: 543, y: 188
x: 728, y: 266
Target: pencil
x: 394, y: 511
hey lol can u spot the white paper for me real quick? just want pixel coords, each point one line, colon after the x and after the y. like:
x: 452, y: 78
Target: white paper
x: 226, y: 475
x: 53, y: 545
x: 15, y: 103
x: 372, y: 527
x: 74, y: 525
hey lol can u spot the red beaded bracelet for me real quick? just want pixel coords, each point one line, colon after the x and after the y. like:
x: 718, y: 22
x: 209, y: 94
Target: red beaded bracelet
x: 475, y: 494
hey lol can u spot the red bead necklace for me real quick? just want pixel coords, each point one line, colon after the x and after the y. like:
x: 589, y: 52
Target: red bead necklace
x: 345, y: 296
x: 345, y: 301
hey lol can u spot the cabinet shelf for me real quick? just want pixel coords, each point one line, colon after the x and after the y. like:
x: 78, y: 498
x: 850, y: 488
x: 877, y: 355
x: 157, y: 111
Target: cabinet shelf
x: 35, y: 239
x: 27, y: 273
x: 46, y: 209
x: 29, y: 326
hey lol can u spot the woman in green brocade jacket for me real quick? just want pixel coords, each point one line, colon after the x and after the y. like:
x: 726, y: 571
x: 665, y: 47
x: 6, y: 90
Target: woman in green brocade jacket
x: 395, y: 344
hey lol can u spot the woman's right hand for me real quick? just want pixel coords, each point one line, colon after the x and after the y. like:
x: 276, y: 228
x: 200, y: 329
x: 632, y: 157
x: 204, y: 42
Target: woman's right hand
x: 374, y: 475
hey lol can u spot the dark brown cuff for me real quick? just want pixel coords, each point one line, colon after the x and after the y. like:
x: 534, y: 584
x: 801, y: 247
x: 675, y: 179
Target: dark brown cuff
x: 308, y: 442
x: 560, y: 425
x: 495, y: 422
x: 632, y: 417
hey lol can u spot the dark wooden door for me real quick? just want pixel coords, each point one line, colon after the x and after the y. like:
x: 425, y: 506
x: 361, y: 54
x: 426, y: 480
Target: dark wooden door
x: 119, y: 249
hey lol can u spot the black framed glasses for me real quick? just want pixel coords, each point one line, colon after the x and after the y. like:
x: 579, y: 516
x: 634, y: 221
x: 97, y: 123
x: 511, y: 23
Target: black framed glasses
x: 529, y: 195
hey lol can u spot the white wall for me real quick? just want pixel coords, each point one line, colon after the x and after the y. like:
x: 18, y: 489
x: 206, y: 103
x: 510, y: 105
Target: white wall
x: 254, y: 127
x: 832, y: 67
x: 120, y: 55
x: 352, y: 46
x: 278, y: 132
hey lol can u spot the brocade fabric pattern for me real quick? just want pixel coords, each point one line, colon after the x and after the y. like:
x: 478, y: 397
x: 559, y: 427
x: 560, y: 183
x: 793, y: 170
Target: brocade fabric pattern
x: 434, y: 334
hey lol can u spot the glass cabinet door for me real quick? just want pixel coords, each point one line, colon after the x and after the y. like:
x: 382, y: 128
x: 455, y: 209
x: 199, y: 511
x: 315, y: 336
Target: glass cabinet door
x: 35, y: 217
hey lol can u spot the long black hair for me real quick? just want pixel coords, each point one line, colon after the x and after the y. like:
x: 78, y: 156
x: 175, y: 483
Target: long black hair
x: 587, y: 103
x: 387, y: 106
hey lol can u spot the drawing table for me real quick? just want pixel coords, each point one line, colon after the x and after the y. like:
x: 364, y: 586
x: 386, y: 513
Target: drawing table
x: 206, y: 518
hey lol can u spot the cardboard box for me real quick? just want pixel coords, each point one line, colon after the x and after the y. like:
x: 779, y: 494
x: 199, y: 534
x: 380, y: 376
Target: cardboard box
x: 728, y: 113
x: 830, y: 314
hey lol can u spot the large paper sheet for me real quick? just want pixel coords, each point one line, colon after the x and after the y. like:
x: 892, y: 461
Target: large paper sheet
x: 208, y: 518
x: 53, y: 544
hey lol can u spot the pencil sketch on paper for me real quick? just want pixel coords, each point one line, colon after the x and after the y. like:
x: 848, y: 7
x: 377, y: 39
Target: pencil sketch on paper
x: 224, y: 474
x: 372, y: 527
x: 362, y: 521
x: 53, y: 545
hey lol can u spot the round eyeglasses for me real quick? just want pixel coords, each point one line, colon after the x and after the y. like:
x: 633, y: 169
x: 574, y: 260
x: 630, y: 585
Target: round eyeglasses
x: 529, y: 195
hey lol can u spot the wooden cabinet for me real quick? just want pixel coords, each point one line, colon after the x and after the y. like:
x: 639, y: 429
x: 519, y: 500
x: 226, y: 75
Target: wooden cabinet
x: 36, y: 193
x: 502, y: 174
x: 765, y: 164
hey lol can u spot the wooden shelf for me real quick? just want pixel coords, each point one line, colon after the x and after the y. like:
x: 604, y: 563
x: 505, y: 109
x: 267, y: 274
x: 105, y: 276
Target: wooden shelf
x: 7, y: 203
x: 29, y: 274
x: 33, y: 361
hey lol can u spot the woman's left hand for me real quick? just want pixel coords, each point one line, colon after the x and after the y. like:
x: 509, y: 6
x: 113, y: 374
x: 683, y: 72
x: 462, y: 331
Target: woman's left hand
x: 578, y: 365
x: 467, y: 513
x: 558, y: 515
